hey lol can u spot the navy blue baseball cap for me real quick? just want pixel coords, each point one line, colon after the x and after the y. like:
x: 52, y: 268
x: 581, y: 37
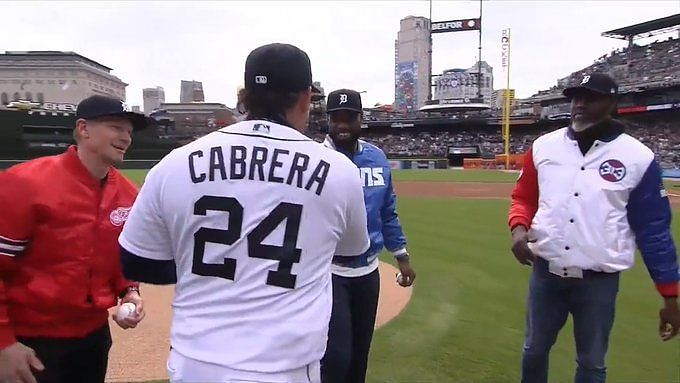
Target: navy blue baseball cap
x: 344, y: 99
x: 599, y: 83
x: 98, y: 106
x: 278, y: 67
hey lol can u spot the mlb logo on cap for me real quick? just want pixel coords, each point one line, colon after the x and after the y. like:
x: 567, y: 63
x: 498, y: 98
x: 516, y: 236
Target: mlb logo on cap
x: 260, y: 79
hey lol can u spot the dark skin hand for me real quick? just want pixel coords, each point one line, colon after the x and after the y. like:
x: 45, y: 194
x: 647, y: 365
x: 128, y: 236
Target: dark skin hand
x: 669, y: 319
x: 520, y: 246
x: 408, y: 275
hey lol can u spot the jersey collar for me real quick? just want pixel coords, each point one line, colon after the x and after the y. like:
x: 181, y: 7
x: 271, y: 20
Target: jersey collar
x: 265, y: 128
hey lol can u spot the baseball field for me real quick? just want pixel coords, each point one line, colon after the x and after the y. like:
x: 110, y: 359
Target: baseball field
x: 465, y: 318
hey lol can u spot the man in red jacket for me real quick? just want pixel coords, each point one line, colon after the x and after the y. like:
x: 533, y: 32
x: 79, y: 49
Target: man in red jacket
x: 59, y: 258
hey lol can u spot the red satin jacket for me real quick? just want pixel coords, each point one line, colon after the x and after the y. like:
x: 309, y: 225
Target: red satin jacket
x: 59, y: 256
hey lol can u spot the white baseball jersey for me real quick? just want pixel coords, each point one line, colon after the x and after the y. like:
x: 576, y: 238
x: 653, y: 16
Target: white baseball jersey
x: 252, y: 215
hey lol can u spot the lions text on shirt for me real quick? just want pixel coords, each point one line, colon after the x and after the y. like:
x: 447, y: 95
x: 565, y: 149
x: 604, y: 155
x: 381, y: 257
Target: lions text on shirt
x: 252, y: 215
x: 384, y: 228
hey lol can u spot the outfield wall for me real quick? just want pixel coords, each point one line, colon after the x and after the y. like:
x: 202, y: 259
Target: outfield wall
x: 127, y: 164
x: 419, y: 164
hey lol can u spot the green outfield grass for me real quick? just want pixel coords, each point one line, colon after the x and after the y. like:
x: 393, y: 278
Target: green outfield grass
x: 465, y: 321
x: 136, y: 175
x: 673, y: 186
x: 451, y: 175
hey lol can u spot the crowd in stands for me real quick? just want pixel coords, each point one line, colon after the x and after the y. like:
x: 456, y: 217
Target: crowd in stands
x: 662, y: 136
x: 428, y: 144
x: 654, y: 65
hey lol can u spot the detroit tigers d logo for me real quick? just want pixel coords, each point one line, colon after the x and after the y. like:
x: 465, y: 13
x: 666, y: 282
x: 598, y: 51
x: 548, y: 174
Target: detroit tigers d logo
x: 612, y: 170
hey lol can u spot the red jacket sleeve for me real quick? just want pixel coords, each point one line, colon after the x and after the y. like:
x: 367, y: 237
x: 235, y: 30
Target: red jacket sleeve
x: 16, y: 227
x: 525, y: 195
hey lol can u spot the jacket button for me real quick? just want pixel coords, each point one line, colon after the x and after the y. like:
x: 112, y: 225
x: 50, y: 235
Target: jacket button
x: 571, y: 220
x: 583, y: 168
x: 566, y: 248
x: 576, y: 194
x: 566, y: 274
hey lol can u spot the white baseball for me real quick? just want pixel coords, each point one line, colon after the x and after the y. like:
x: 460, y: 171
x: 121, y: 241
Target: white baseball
x: 400, y: 278
x: 126, y: 310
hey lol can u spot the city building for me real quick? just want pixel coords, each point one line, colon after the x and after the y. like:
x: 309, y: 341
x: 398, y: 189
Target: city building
x: 412, y: 64
x: 153, y: 98
x: 318, y: 121
x: 191, y: 120
x: 461, y: 84
x: 191, y: 91
x: 498, y: 99
x: 54, y: 79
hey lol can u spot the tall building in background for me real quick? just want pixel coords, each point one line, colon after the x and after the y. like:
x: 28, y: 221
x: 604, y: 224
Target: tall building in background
x: 153, y: 98
x: 461, y: 84
x: 498, y: 99
x: 189, y: 121
x: 412, y: 64
x: 54, y: 78
x: 191, y: 91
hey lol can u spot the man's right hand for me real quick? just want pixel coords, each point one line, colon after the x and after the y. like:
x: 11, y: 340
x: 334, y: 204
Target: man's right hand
x: 16, y: 362
x: 520, y: 246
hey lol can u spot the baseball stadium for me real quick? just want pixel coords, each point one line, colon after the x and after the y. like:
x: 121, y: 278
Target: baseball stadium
x: 454, y: 169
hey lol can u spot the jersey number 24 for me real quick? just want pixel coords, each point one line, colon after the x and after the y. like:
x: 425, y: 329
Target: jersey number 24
x: 287, y: 254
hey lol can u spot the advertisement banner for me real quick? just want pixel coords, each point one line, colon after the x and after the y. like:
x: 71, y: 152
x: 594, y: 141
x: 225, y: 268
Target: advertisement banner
x: 456, y: 25
x: 406, y: 82
x: 422, y: 164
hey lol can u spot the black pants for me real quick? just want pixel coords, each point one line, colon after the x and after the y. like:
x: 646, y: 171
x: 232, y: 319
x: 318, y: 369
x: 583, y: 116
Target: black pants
x: 355, y: 303
x: 72, y: 360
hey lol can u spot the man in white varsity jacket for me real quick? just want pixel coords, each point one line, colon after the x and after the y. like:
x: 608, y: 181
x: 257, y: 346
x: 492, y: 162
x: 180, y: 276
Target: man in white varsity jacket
x: 587, y: 196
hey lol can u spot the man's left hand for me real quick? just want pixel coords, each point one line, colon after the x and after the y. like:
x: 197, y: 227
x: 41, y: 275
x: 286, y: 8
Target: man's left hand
x: 133, y: 320
x: 408, y: 275
x: 669, y: 319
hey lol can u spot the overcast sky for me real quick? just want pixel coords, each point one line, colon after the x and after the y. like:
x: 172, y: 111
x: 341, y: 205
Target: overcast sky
x: 350, y: 43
